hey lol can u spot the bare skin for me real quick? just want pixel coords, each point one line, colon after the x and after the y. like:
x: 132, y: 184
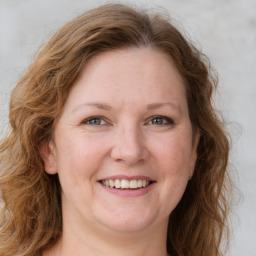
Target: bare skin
x: 130, y: 107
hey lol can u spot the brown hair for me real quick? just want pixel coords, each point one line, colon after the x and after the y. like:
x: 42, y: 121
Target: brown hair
x: 30, y: 219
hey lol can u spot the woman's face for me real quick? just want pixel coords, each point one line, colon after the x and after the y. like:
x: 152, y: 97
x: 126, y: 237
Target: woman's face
x: 122, y: 147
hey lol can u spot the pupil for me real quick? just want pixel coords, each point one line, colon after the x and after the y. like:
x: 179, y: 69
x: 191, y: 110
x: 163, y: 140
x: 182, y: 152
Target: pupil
x: 158, y: 121
x: 95, y: 121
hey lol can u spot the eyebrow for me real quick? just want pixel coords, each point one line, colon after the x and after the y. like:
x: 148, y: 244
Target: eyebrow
x: 107, y: 107
x: 94, y: 104
x: 159, y: 105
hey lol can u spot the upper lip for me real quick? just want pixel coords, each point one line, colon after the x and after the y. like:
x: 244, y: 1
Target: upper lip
x: 125, y: 177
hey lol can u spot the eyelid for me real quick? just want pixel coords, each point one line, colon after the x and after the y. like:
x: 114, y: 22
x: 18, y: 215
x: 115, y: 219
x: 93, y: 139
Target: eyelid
x: 169, y: 120
x: 86, y: 120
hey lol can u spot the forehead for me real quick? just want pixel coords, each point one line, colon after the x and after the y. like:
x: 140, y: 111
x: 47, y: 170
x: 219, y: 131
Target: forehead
x: 133, y: 74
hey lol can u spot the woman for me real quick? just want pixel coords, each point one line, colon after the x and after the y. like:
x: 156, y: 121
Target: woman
x: 114, y: 147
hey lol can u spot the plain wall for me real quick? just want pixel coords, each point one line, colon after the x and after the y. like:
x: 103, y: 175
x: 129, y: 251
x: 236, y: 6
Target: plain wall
x: 224, y: 30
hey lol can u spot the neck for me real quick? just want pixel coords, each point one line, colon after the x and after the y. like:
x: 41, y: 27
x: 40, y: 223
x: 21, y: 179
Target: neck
x: 88, y: 241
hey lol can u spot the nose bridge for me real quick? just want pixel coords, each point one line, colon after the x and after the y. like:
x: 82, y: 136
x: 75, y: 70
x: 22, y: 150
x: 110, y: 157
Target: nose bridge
x: 128, y: 145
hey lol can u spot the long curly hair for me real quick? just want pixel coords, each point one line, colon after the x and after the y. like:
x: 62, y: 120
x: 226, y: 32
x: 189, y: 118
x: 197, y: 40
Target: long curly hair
x: 30, y: 219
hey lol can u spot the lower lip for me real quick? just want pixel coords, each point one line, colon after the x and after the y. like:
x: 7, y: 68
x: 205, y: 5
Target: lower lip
x: 129, y: 192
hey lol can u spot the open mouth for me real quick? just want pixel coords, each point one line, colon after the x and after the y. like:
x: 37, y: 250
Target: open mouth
x: 126, y: 184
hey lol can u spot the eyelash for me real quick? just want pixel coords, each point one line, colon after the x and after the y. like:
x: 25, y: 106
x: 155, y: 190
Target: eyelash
x: 93, y: 118
x: 166, y: 120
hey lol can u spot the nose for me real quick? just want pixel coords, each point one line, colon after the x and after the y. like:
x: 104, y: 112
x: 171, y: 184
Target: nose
x: 128, y: 146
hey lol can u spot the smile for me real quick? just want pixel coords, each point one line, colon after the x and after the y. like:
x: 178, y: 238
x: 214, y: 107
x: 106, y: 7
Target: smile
x: 126, y: 184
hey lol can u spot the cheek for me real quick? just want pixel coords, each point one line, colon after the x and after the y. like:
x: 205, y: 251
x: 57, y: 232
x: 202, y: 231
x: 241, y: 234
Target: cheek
x: 174, y: 169
x: 174, y: 155
x: 78, y: 158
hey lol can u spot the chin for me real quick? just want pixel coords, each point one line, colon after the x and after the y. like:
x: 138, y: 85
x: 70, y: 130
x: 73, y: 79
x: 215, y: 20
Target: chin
x: 128, y: 222
x: 127, y: 227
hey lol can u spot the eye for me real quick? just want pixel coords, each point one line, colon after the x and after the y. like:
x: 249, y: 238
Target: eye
x: 161, y: 120
x: 94, y: 121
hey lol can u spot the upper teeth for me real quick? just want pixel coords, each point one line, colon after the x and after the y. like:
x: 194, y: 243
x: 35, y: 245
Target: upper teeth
x: 125, y: 183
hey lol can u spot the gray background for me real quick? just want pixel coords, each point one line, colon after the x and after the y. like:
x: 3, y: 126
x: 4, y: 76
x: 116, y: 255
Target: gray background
x: 224, y: 29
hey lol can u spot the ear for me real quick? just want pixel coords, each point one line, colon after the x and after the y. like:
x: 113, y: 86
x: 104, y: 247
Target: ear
x: 194, y: 152
x: 48, y: 154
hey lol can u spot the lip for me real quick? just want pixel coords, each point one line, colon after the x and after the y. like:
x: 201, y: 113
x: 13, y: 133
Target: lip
x: 128, y: 192
x: 125, y: 177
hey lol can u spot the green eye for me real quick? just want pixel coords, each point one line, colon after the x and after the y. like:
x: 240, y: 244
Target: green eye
x: 158, y: 121
x: 161, y: 120
x: 95, y: 121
